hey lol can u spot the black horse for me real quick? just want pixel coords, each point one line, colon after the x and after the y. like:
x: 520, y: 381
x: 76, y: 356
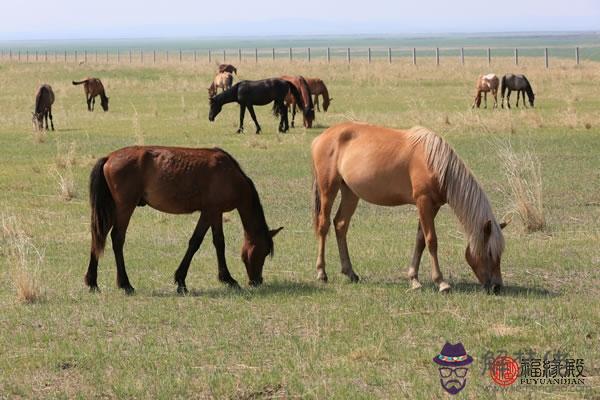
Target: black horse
x: 250, y: 93
x: 44, y: 99
x: 518, y: 83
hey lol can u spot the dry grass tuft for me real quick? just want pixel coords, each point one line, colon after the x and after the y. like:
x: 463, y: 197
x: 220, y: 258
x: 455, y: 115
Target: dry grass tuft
x: 137, y: 128
x: 523, y: 172
x: 39, y: 136
x: 66, y: 160
x: 24, y: 260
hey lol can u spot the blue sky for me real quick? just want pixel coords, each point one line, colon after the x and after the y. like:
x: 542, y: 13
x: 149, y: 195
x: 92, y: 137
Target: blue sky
x: 70, y: 19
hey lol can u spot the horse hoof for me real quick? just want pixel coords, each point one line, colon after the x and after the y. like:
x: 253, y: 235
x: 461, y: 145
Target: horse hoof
x: 322, y: 276
x: 94, y: 289
x: 354, y: 278
x: 415, y: 284
x: 129, y: 290
x: 444, y: 287
x: 182, y: 290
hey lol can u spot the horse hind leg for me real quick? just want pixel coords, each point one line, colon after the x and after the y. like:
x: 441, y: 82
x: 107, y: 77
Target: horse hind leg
x: 51, y: 120
x: 242, y: 113
x: 253, y: 115
x: 117, y: 235
x: 341, y: 223
x: 193, y: 246
x: 427, y: 211
x: 326, y: 191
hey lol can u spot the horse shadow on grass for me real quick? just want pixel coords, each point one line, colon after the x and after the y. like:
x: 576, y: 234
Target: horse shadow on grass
x: 265, y: 290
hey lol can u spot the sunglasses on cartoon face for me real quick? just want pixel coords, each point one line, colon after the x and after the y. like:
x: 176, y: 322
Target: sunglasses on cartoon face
x: 447, y: 372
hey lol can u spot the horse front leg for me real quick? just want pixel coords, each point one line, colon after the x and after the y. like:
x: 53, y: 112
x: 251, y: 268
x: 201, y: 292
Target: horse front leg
x: 485, y: 99
x: 518, y: 94
x: 51, y: 120
x: 253, y: 115
x: 316, y: 102
x: 219, y: 243
x: 242, y: 112
x: 193, y: 246
x: 495, y: 94
x: 88, y: 100
x: 508, y: 99
x: 293, y: 113
x: 413, y: 270
x: 427, y: 211
x: 284, y: 122
x: 523, y: 99
x: 46, y: 119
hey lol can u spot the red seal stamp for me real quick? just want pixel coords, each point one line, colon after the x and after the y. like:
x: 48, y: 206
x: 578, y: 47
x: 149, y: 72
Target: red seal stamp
x: 504, y: 370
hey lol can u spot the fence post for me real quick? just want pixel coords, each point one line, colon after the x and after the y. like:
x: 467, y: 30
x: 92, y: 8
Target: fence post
x: 255, y: 55
x: 239, y: 55
x: 414, y: 56
x: 328, y: 56
x: 348, y: 54
x: 437, y: 56
x: 118, y: 56
x: 36, y: 56
x: 20, y: 55
x: 129, y: 56
x: 194, y: 56
x: 10, y: 54
x: 273, y: 53
x: 65, y: 55
x: 167, y: 55
x: 85, y: 56
x: 142, y: 56
x: 96, y: 56
x: 46, y: 55
x: 209, y: 57
x: 224, y: 55
x: 516, y: 56
x: 153, y: 56
x: 462, y: 56
x: 577, y: 55
x: 107, y: 56
x: 76, y: 58
x: 180, y: 56
x: 291, y: 54
x: 489, y: 55
x: 546, y: 56
x: 308, y: 54
x: 369, y: 55
x: 390, y: 55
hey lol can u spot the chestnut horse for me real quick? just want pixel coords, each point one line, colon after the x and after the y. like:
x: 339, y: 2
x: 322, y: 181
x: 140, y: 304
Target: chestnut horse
x: 176, y: 180
x: 222, y: 80
x: 308, y: 110
x: 44, y: 98
x: 486, y: 83
x: 391, y: 167
x: 93, y: 87
x: 318, y: 88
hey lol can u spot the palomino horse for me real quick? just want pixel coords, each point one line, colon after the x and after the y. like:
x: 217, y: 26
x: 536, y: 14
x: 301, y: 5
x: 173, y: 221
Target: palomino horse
x: 44, y: 98
x: 93, y: 87
x: 176, y: 180
x: 391, y: 167
x: 222, y: 80
x: 317, y: 88
x: 227, y: 68
x: 486, y: 83
x: 308, y: 111
x: 521, y: 85
x: 250, y: 93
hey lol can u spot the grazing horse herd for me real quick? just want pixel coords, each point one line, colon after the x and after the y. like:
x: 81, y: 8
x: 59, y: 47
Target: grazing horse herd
x: 382, y: 166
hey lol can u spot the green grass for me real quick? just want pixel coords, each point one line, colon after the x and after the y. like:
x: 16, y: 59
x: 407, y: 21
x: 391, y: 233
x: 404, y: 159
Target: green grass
x: 293, y: 337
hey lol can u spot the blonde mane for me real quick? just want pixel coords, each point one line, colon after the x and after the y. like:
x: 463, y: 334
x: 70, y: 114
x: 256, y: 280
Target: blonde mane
x: 463, y: 193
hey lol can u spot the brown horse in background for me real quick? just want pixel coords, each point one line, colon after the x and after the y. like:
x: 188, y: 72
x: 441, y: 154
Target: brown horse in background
x: 176, y: 180
x: 391, y: 167
x: 44, y: 98
x: 93, y: 87
x: 486, y: 83
x: 308, y: 111
x: 223, y: 80
x: 318, y: 88
x: 227, y: 68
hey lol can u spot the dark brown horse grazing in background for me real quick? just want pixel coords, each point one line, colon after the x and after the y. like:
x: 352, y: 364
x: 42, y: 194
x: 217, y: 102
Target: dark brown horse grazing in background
x: 93, y: 87
x: 176, y: 180
x: 391, y: 167
x: 44, y: 98
x: 486, y: 83
x: 227, y: 68
x: 519, y: 83
x: 308, y: 110
x: 318, y: 88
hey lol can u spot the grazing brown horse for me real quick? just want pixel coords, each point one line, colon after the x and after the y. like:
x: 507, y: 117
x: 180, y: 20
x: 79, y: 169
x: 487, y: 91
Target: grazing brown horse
x: 93, y: 87
x: 486, y: 83
x: 308, y: 110
x: 223, y: 80
x: 391, y: 167
x: 176, y: 180
x: 227, y: 68
x: 44, y: 98
x: 318, y: 88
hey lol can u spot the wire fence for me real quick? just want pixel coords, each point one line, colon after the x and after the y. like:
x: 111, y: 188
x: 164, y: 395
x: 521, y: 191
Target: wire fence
x: 307, y: 54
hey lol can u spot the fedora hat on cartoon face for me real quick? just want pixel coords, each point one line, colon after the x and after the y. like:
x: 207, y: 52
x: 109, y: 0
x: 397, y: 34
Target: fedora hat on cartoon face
x: 453, y: 355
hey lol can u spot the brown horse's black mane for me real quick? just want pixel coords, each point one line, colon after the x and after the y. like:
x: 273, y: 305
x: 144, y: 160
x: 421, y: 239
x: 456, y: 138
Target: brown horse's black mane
x: 257, y: 207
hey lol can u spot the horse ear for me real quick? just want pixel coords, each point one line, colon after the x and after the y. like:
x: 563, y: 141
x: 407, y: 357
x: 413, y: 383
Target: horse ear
x: 487, y: 230
x: 503, y: 225
x: 274, y: 232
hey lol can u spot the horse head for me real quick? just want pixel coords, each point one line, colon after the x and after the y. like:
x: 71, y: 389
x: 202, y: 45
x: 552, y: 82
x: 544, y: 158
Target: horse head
x: 37, y: 120
x: 254, y: 253
x: 215, y: 108
x: 487, y: 266
x: 326, y: 103
x: 104, y: 103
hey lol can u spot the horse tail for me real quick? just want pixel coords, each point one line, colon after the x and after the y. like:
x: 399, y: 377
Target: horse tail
x: 297, y: 95
x: 316, y: 201
x: 103, y: 207
x: 79, y: 82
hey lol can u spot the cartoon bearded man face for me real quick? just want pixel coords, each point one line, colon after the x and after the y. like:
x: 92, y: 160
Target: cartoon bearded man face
x: 453, y: 361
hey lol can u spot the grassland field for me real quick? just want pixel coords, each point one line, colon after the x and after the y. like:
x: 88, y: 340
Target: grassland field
x: 292, y: 337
